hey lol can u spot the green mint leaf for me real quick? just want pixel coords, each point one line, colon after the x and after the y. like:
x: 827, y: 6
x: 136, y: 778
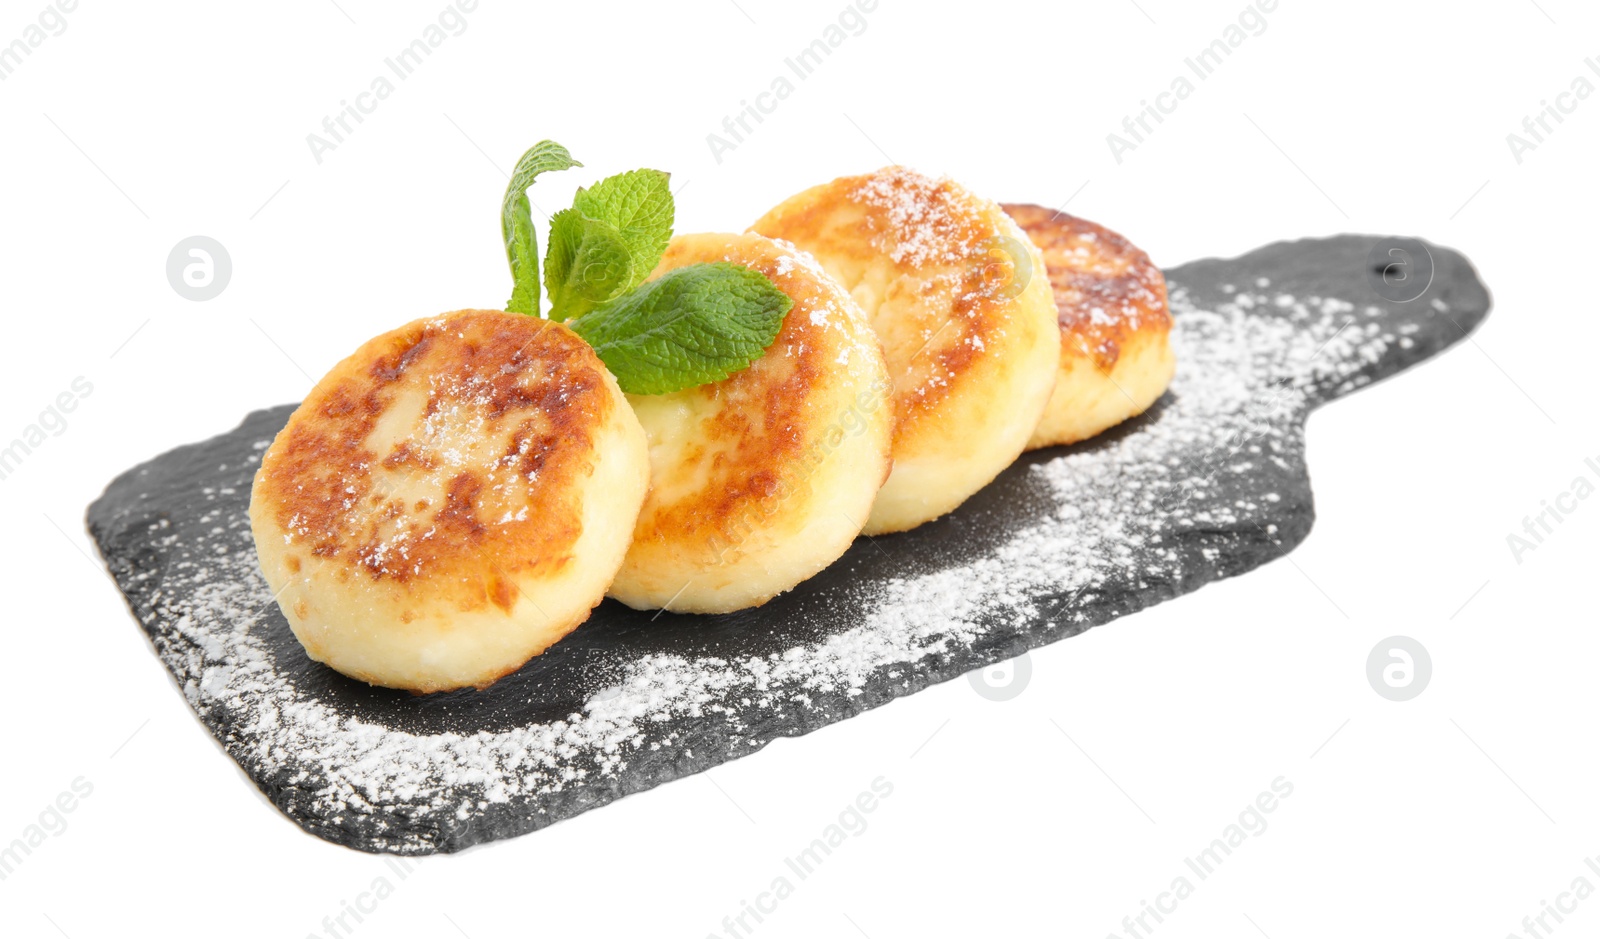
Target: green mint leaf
x: 516, y: 223
x: 691, y: 326
x: 588, y: 262
x: 639, y: 204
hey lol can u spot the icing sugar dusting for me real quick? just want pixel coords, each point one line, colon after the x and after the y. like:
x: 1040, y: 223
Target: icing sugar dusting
x: 929, y: 221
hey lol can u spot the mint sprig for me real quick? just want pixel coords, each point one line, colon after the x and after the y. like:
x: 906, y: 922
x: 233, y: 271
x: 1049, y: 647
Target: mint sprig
x: 589, y: 261
x: 639, y: 204
x: 692, y: 325
x: 516, y: 222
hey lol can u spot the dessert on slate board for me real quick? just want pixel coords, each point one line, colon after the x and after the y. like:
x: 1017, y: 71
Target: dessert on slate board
x: 970, y: 335
x: 761, y: 480
x: 694, y: 424
x: 450, y: 500
x: 1111, y: 301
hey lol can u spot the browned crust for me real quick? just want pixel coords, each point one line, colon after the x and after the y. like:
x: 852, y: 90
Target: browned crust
x: 529, y: 381
x: 755, y: 451
x: 1107, y: 290
x: 936, y: 232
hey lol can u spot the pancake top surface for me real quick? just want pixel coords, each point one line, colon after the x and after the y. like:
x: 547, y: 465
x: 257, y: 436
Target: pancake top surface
x: 930, y: 249
x: 743, y: 447
x: 442, y: 453
x: 1107, y: 290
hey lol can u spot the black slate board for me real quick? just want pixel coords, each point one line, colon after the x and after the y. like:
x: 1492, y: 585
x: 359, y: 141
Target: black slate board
x: 1209, y: 484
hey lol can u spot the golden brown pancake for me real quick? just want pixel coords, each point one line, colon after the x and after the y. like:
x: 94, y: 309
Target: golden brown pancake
x: 947, y: 282
x: 449, y: 500
x: 1111, y: 302
x: 761, y: 480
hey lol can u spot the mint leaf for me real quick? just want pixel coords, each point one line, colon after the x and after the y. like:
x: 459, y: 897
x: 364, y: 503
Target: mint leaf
x: 691, y: 326
x: 587, y: 263
x: 516, y: 222
x: 639, y: 203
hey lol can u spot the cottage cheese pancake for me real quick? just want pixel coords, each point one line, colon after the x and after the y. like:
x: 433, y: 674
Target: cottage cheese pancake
x: 955, y: 292
x: 1111, y: 302
x: 449, y: 500
x: 761, y: 480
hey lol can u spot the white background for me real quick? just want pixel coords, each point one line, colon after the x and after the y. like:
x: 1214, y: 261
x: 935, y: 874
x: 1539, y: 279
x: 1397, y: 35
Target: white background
x: 1455, y: 814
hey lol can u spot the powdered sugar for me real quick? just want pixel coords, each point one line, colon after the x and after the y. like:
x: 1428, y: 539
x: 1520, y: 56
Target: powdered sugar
x: 928, y: 221
x: 857, y: 349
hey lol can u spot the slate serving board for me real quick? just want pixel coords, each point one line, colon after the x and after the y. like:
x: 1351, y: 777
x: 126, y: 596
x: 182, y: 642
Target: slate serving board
x: 1209, y: 484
